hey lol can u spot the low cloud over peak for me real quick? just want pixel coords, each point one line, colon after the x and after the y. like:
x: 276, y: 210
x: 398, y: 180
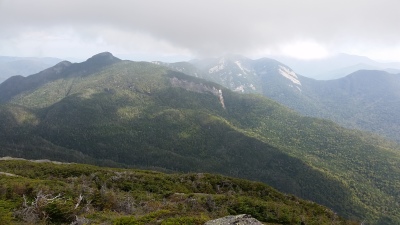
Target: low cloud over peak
x: 197, y: 28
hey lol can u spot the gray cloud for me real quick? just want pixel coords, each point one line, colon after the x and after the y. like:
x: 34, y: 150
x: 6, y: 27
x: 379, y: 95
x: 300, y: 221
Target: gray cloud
x: 208, y: 27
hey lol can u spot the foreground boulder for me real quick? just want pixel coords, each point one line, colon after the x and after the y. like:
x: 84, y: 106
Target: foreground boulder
x: 242, y: 219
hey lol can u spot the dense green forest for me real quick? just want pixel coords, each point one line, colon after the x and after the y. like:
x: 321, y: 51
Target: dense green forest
x: 53, y: 193
x: 367, y: 99
x: 136, y: 114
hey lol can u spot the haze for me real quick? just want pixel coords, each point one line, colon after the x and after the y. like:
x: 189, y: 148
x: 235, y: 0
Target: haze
x: 179, y: 30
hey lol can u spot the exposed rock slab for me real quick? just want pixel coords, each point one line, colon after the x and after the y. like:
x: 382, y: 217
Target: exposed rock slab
x: 242, y: 219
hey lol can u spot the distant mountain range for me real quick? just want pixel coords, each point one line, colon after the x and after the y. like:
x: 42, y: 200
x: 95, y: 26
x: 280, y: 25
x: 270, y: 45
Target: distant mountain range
x: 336, y: 66
x: 330, y: 68
x: 112, y: 112
x: 366, y: 99
x: 10, y: 66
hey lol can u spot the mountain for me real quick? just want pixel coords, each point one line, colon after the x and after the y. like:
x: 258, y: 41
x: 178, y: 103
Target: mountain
x: 112, y: 112
x: 43, y: 192
x: 336, y: 66
x: 17, y: 84
x: 367, y: 99
x: 242, y: 74
x: 10, y: 66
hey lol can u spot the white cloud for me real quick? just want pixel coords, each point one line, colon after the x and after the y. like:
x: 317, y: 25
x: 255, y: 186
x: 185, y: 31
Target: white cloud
x: 384, y: 54
x: 304, y: 50
x: 197, y: 28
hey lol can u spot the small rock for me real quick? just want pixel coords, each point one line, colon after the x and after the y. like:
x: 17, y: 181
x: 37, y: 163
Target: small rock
x: 242, y: 219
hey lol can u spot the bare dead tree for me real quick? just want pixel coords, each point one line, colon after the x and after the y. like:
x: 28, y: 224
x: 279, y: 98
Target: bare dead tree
x: 34, y: 211
x: 80, y: 198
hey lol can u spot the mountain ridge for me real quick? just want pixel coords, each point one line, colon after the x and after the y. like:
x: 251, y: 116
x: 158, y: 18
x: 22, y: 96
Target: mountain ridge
x: 11, y: 66
x: 14, y: 85
x: 329, y: 99
x: 131, y: 113
x: 337, y: 66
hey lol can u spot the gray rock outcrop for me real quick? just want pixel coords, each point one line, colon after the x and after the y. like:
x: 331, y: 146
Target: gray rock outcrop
x: 242, y: 219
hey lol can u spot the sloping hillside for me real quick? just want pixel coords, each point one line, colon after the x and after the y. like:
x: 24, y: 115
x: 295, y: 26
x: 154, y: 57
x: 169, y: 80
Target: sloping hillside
x: 139, y: 114
x: 54, y: 193
x: 367, y: 99
x: 11, y: 66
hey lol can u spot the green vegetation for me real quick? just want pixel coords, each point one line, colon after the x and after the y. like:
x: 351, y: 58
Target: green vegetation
x: 143, y: 115
x: 49, y: 193
x: 367, y: 99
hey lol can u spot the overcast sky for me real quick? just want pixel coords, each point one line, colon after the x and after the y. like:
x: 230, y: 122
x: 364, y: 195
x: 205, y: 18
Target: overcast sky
x: 182, y: 29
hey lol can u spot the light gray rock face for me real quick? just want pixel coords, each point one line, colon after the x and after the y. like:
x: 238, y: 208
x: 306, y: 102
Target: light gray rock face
x: 242, y: 219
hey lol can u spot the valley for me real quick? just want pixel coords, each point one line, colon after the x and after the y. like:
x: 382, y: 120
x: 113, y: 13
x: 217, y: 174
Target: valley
x: 174, y: 118
x: 368, y: 100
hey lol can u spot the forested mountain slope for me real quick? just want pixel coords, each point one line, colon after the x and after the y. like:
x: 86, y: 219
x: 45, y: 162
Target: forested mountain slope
x: 366, y: 99
x: 136, y: 114
x: 11, y: 66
